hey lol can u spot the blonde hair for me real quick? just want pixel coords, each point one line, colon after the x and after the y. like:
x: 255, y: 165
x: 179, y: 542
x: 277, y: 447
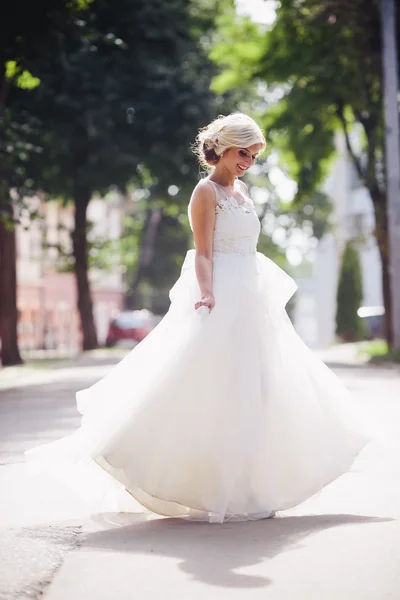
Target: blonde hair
x: 233, y: 131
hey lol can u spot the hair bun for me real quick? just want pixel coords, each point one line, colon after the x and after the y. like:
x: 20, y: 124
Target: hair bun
x: 209, y: 143
x: 210, y: 156
x: 235, y: 130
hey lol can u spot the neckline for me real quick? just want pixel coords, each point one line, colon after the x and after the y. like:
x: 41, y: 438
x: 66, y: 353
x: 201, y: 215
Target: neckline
x: 231, y: 196
x: 224, y: 187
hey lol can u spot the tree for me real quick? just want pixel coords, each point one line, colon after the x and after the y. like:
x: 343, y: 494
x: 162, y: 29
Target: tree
x: 320, y: 66
x: 161, y: 259
x: 130, y: 87
x: 309, y: 220
x: 349, y: 326
x: 178, y: 103
x: 28, y: 31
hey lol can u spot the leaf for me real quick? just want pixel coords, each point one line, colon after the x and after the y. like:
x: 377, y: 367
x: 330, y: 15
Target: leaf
x: 23, y: 78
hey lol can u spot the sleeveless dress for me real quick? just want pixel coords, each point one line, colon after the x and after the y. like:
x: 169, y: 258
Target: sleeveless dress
x: 215, y: 415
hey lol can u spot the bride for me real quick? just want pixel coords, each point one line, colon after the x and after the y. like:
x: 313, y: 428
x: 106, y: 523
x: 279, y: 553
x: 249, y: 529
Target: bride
x: 222, y: 412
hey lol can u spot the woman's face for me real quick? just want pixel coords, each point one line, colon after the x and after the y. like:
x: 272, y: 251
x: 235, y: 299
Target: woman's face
x: 238, y: 160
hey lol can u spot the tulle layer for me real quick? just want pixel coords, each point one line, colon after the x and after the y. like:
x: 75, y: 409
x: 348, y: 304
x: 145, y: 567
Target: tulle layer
x: 214, y: 415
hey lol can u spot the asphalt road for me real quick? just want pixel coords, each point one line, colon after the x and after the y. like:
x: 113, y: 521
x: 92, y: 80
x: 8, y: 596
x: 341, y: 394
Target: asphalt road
x: 343, y: 544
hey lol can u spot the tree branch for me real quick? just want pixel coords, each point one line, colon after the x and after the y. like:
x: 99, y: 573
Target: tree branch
x: 354, y: 157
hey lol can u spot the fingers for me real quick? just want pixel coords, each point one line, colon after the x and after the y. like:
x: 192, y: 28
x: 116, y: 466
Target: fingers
x: 207, y: 300
x: 200, y: 304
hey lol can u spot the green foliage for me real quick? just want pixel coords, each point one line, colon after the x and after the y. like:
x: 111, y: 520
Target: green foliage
x: 119, y: 103
x: 22, y: 78
x: 152, y: 265
x: 103, y: 253
x: 317, y: 71
x: 379, y: 352
x: 319, y: 65
x: 238, y: 48
x: 30, y: 31
x: 130, y: 86
x: 282, y: 223
x: 349, y: 296
x: 170, y: 247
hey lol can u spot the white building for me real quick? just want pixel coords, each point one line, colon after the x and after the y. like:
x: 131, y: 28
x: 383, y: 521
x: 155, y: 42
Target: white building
x: 353, y: 217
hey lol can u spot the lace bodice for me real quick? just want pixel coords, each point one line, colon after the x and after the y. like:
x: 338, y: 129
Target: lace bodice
x: 237, y: 227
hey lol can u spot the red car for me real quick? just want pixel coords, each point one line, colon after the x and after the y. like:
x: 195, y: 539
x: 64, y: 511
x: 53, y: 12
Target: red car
x: 130, y: 325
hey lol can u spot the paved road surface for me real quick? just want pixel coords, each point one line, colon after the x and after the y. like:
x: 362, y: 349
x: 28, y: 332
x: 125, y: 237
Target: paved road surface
x: 343, y: 544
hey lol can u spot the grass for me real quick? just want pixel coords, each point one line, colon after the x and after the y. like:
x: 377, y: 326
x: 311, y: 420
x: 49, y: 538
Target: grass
x: 378, y: 352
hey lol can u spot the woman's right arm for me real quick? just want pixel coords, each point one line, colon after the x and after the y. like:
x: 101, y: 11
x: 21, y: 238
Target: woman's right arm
x: 202, y: 210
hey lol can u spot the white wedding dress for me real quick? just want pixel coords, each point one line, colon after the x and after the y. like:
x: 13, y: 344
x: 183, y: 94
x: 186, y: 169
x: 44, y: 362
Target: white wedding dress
x: 215, y: 415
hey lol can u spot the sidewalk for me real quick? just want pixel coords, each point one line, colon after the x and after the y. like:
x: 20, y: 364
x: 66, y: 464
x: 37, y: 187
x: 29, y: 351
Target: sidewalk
x: 47, y: 367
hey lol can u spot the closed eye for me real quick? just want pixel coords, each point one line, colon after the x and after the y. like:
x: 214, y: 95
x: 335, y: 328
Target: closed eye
x: 245, y: 154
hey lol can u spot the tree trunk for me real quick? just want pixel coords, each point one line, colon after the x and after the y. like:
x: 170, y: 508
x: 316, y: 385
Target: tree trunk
x: 381, y: 235
x: 153, y: 217
x: 85, y: 306
x: 379, y: 201
x: 390, y: 85
x: 8, y: 286
x: 8, y: 271
x: 387, y: 299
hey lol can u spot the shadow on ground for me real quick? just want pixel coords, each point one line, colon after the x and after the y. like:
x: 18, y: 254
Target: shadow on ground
x: 214, y: 553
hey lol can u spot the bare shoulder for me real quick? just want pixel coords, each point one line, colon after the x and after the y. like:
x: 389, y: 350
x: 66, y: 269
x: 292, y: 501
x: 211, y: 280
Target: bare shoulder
x: 245, y: 191
x: 203, y: 198
x: 244, y: 187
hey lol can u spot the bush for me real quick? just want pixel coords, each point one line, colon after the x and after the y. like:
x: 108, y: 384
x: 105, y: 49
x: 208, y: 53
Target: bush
x: 349, y: 326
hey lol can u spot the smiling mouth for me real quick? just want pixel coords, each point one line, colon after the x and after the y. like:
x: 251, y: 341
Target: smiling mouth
x: 242, y: 168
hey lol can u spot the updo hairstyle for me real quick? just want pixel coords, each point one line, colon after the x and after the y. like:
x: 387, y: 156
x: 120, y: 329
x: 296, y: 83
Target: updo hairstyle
x: 234, y: 131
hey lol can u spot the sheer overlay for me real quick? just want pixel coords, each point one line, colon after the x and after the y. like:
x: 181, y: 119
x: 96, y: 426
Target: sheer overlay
x: 214, y: 416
